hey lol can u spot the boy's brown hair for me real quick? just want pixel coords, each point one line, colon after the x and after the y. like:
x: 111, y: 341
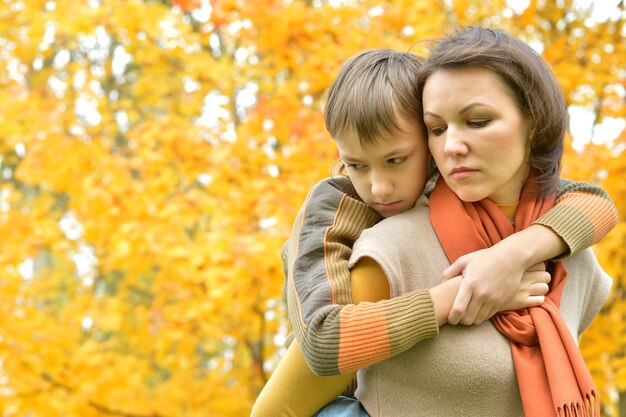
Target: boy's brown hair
x: 371, y: 90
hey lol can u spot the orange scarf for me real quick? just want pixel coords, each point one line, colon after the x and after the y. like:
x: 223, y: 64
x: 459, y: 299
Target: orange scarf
x: 552, y: 376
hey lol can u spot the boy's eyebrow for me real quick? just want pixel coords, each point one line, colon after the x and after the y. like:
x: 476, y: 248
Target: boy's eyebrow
x: 397, y: 151
x: 348, y: 157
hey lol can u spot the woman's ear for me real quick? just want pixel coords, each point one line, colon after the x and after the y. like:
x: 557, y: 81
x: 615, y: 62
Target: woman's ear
x: 531, y: 132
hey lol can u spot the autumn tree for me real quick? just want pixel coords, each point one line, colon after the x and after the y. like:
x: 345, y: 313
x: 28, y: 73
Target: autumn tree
x: 154, y: 155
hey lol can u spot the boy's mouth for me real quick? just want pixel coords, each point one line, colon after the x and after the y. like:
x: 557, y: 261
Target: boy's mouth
x: 387, y: 207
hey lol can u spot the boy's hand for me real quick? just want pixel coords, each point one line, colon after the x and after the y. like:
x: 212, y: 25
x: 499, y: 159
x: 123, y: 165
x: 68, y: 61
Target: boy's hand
x: 532, y: 290
x: 491, y: 278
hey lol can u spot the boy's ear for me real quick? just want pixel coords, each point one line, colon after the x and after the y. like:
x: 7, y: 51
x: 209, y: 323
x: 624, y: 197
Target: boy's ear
x: 338, y: 168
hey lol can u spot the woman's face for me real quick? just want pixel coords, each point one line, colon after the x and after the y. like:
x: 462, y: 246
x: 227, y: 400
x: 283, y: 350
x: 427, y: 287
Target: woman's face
x: 477, y: 134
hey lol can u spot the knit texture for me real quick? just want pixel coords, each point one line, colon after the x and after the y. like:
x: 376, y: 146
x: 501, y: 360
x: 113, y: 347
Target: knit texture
x: 467, y: 370
x: 582, y: 216
x: 331, y: 333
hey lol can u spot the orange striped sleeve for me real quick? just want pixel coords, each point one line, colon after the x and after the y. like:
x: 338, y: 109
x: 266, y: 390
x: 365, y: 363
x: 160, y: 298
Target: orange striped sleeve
x: 364, y: 338
x: 582, y: 216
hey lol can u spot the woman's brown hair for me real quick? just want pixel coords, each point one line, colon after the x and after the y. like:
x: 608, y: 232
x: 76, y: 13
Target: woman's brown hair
x: 529, y: 77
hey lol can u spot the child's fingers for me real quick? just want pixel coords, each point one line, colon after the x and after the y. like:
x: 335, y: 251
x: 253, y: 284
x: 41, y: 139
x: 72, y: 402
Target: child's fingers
x: 535, y: 300
x: 538, y: 288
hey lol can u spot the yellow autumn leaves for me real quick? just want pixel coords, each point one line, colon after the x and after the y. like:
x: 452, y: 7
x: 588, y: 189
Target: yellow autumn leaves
x: 153, y: 157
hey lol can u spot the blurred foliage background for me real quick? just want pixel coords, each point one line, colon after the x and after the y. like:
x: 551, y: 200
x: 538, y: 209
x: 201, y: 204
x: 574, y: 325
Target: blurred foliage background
x: 153, y: 155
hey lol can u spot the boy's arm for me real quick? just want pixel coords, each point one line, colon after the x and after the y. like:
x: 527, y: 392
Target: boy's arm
x: 319, y: 296
x: 583, y: 214
x: 294, y: 390
x: 332, y: 333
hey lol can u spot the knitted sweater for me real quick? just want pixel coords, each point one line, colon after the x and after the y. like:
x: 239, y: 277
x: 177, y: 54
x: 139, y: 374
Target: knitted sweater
x: 315, y: 260
x: 468, y: 370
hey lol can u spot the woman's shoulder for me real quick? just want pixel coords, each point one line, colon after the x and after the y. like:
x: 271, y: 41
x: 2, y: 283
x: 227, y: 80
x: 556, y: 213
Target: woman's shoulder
x: 584, y: 264
x: 413, y: 219
x: 586, y: 277
x: 396, y: 231
x: 586, y: 289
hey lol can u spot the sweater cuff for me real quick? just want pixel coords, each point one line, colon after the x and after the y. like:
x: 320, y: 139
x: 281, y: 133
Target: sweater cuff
x: 571, y: 225
x: 574, y: 225
x: 423, y: 324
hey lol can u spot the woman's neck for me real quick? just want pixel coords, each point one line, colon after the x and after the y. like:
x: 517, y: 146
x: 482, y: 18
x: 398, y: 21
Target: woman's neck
x: 509, y: 209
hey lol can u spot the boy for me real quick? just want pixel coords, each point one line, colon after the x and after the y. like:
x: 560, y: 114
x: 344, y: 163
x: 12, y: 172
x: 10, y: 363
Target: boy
x: 374, y: 115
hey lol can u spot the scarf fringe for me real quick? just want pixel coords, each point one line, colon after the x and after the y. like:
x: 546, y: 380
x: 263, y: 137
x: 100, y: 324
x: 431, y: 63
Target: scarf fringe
x: 588, y: 409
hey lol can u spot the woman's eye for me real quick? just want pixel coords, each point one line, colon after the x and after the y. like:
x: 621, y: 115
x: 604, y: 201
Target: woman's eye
x: 437, y: 131
x: 478, y: 122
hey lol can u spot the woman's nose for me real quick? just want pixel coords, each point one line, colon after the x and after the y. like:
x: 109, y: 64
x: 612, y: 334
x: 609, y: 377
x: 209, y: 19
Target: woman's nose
x: 454, y: 143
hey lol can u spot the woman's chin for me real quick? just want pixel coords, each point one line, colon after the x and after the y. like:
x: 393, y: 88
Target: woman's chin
x: 468, y: 195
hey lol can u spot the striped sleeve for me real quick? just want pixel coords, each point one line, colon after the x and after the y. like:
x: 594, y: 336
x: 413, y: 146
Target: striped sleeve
x: 582, y: 216
x: 337, y: 336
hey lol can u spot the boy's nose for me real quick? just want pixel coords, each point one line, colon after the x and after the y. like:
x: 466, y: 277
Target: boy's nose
x: 381, y: 187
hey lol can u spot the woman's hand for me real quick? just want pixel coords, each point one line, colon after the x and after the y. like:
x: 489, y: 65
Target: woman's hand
x: 491, y: 277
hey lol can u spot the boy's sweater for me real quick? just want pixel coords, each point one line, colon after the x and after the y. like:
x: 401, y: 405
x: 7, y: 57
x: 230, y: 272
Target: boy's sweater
x: 315, y: 261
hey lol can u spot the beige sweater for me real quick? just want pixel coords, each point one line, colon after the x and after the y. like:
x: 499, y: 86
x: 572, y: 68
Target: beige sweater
x: 467, y: 370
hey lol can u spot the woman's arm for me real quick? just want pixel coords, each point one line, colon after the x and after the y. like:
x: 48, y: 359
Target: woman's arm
x: 367, y: 334
x: 583, y: 214
x: 370, y: 283
x: 294, y: 390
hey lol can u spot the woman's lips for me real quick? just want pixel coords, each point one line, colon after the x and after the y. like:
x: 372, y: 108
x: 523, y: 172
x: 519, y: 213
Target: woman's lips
x: 462, y: 173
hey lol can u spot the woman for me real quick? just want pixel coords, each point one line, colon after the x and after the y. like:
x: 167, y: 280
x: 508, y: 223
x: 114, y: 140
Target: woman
x: 400, y: 285
x: 496, y: 120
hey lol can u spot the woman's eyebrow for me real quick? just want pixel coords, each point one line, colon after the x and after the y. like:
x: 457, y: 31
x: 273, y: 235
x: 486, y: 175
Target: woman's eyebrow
x: 463, y: 110
x: 470, y: 106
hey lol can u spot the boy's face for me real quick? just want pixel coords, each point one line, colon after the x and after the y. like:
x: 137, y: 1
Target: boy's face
x: 389, y: 175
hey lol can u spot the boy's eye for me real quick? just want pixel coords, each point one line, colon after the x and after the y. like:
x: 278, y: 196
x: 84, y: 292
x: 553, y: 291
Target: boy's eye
x: 478, y: 122
x: 355, y: 167
x: 397, y: 160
